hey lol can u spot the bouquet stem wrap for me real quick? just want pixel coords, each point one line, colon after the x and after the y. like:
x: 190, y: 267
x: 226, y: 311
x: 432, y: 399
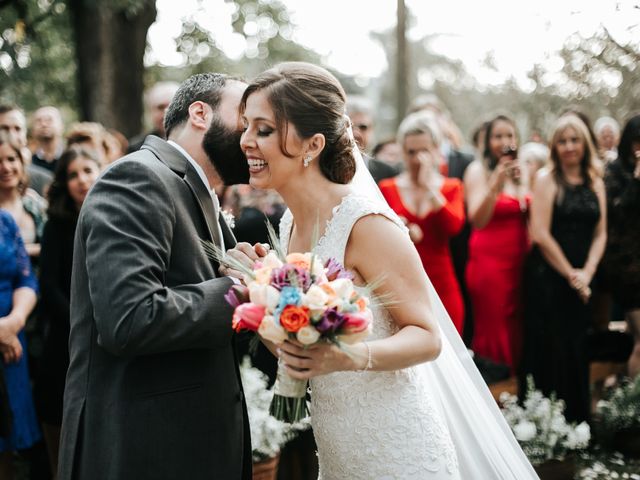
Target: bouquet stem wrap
x: 289, y: 402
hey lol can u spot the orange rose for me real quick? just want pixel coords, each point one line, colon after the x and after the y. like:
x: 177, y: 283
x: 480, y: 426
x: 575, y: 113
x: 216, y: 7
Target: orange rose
x: 293, y: 318
x: 301, y: 260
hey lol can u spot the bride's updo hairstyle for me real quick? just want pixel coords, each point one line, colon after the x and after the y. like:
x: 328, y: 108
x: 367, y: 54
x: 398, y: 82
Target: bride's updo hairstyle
x: 313, y: 101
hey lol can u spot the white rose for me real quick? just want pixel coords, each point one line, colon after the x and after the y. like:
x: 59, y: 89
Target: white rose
x: 343, y: 287
x: 271, y: 331
x: 264, y: 295
x: 315, y: 298
x: 525, y: 431
x: 308, y: 335
x: 583, y: 433
x: 271, y: 260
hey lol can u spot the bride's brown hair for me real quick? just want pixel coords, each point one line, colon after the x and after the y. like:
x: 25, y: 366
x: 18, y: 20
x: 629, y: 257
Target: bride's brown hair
x: 313, y: 100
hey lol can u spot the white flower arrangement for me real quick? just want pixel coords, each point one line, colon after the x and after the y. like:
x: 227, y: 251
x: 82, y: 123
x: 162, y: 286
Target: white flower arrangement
x: 621, y: 410
x: 540, y: 427
x: 229, y: 218
x: 268, y: 435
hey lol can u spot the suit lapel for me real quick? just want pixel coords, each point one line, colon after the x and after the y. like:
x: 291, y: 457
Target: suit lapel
x: 181, y: 166
x: 205, y: 202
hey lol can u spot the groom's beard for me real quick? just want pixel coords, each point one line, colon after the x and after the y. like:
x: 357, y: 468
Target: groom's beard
x: 222, y: 146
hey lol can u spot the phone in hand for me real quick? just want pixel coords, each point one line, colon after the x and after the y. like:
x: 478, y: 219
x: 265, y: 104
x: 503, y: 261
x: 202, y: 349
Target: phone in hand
x: 510, y: 151
x: 514, y: 171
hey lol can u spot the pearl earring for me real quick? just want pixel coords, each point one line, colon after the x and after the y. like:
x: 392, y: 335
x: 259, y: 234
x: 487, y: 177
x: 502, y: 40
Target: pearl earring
x: 307, y: 160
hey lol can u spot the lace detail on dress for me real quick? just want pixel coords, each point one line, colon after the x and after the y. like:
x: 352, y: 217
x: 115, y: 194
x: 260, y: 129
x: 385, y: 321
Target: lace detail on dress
x: 374, y: 425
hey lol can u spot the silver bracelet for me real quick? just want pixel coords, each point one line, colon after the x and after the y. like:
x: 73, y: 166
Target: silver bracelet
x: 369, y: 364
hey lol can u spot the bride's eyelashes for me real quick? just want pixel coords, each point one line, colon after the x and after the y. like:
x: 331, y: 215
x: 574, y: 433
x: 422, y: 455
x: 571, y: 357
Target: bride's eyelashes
x: 261, y: 132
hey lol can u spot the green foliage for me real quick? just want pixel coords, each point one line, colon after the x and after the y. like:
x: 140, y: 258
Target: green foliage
x: 266, y: 28
x: 602, y: 74
x: 268, y: 31
x: 37, y: 64
x: 599, y: 75
x: 621, y: 409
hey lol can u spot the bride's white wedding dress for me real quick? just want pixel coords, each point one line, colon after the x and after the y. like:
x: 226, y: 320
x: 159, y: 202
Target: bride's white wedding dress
x: 375, y: 425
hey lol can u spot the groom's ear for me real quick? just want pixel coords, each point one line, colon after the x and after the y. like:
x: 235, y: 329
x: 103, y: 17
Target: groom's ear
x: 200, y: 115
x: 315, y: 145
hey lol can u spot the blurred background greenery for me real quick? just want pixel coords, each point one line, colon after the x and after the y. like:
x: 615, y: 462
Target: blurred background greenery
x: 91, y: 58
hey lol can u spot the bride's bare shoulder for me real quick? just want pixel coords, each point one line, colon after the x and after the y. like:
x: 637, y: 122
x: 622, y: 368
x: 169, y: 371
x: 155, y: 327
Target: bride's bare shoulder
x: 376, y: 235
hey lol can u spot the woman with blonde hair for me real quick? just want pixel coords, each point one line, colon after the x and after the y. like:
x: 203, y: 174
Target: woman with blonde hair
x: 431, y: 205
x: 568, y: 228
x: 27, y: 208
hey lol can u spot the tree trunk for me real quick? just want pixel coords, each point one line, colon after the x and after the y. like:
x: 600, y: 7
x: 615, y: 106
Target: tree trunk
x: 402, y: 65
x: 110, y: 47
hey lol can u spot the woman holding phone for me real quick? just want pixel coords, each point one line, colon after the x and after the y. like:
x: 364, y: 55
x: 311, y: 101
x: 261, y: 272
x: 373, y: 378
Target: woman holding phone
x: 497, y: 198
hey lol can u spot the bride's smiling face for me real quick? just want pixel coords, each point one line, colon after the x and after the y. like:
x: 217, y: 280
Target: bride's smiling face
x: 261, y: 141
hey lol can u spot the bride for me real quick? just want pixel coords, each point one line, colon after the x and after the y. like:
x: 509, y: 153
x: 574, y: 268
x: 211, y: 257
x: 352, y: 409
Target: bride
x: 408, y: 402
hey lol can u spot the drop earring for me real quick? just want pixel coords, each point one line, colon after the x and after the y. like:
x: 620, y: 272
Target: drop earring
x: 307, y: 160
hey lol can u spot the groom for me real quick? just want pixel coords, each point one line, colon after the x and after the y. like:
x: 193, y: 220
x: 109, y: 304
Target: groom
x: 153, y: 389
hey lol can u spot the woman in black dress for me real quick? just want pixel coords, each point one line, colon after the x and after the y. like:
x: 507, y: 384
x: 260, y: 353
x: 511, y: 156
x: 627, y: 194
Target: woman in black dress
x: 568, y: 229
x: 622, y: 259
x: 76, y: 172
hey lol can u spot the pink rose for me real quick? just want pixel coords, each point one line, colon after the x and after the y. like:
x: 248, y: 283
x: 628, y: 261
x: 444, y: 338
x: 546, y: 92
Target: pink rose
x: 356, y: 322
x: 247, y: 316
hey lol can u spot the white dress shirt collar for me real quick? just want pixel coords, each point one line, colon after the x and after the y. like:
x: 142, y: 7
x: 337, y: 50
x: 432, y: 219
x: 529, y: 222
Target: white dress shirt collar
x: 195, y: 164
x: 205, y: 181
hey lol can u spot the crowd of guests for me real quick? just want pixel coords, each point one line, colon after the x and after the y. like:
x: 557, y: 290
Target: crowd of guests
x: 550, y: 229
x: 517, y: 240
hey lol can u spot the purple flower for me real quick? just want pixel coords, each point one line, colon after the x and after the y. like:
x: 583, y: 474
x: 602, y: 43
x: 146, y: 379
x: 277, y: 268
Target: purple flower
x: 237, y: 295
x: 290, y: 276
x: 336, y: 270
x: 330, y: 322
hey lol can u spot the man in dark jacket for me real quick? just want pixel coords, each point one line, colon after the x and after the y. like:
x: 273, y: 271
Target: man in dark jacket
x: 153, y: 389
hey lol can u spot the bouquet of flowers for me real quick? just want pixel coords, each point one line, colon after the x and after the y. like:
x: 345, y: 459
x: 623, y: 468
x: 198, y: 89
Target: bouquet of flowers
x: 540, y: 427
x: 298, y: 297
x: 268, y: 435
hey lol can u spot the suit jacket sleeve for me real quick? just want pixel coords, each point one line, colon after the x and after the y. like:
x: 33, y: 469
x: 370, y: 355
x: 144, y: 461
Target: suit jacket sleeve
x: 127, y: 226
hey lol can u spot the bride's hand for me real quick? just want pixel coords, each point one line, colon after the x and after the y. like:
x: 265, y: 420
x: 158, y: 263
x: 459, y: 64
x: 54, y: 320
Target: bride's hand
x: 307, y: 362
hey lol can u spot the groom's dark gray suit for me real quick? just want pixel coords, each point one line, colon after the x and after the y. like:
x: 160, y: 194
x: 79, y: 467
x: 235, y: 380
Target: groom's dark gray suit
x: 153, y: 389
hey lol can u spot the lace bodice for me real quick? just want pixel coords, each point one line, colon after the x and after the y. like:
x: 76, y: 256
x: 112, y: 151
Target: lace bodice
x: 374, y: 425
x: 575, y: 215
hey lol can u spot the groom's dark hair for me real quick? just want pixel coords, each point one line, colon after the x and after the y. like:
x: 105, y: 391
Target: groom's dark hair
x: 202, y: 87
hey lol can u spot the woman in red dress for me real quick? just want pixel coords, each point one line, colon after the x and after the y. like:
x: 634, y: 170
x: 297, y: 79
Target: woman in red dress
x: 431, y: 205
x: 497, y: 202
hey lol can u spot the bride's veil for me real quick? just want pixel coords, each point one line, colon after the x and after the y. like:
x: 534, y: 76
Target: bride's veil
x: 484, y: 442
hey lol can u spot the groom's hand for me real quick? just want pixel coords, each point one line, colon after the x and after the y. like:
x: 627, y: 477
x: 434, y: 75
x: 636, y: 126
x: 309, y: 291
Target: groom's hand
x: 243, y: 253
